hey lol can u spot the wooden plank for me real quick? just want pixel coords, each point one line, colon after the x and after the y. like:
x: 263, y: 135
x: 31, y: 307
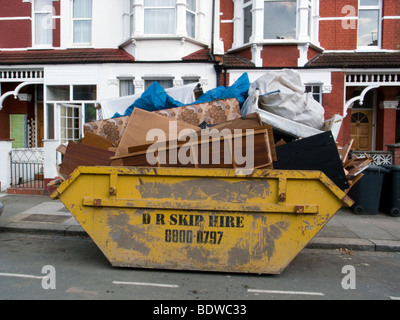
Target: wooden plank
x: 344, y: 151
x: 204, y: 153
x: 78, y: 154
x: 94, y: 140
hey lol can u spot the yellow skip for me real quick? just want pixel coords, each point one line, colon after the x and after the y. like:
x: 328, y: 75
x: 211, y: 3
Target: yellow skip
x: 201, y: 219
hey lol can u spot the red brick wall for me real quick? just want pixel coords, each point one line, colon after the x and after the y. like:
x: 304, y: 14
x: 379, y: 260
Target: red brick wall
x: 333, y: 104
x: 332, y: 35
x: 312, y: 53
x: 18, y: 33
x: 245, y: 53
x: 391, y: 7
x: 280, y: 56
x: 333, y: 8
x: 391, y: 34
x: 15, y: 8
x: 391, y: 27
x: 15, y: 34
x: 389, y: 129
x: 226, y: 29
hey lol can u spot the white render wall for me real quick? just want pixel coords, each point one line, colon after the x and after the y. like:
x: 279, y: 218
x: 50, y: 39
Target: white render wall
x: 308, y: 76
x: 106, y: 76
x: 5, y: 169
x: 107, y: 24
x: 110, y: 29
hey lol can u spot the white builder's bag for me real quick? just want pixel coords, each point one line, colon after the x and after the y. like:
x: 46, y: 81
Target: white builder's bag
x: 282, y: 93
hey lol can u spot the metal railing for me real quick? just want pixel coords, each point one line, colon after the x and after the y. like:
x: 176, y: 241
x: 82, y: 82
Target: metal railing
x: 27, y: 168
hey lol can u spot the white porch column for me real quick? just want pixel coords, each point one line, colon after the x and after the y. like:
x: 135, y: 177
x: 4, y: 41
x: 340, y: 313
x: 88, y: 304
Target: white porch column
x: 5, y: 164
x: 50, y: 158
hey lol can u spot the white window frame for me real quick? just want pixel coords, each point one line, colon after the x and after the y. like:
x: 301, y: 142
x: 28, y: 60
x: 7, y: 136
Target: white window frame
x: 180, y: 28
x: 307, y: 24
x: 56, y: 105
x: 159, y: 8
x: 126, y: 79
x: 296, y: 22
x: 131, y: 18
x: 81, y: 19
x: 379, y: 35
x: 245, y: 6
x: 194, y: 13
x: 314, y: 85
x: 50, y: 11
x: 152, y: 79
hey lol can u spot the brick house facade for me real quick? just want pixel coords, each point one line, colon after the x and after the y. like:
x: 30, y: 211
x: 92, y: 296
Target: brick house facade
x: 63, y: 55
x: 354, y: 43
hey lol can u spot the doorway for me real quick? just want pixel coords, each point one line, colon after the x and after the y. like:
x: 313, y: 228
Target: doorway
x: 361, y: 129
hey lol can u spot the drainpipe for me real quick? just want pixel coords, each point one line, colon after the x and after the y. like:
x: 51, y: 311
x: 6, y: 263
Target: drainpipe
x: 217, y: 66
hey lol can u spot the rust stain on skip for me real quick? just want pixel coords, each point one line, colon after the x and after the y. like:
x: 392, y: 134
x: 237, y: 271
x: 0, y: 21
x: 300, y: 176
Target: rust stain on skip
x: 127, y: 236
x: 206, y: 189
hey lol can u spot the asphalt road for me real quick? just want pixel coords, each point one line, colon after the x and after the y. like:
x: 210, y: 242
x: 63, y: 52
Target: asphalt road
x: 65, y: 268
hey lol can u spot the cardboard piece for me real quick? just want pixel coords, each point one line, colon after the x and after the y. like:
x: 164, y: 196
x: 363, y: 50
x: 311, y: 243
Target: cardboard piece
x: 141, y: 122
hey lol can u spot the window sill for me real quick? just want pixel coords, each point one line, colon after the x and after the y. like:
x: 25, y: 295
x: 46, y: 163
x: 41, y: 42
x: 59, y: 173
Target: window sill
x: 369, y: 49
x: 278, y: 42
x: 183, y: 39
x: 41, y: 48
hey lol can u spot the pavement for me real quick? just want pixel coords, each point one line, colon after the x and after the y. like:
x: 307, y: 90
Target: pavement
x: 345, y: 231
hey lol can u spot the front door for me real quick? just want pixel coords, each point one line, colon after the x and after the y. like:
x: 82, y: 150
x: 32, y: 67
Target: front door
x: 361, y: 129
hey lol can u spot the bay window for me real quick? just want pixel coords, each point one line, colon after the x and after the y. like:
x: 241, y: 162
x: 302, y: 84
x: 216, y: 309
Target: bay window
x: 154, y: 18
x: 368, y: 23
x: 43, y: 22
x: 280, y: 19
x: 247, y: 20
x: 191, y: 18
x: 159, y: 16
x: 82, y: 21
x: 131, y: 17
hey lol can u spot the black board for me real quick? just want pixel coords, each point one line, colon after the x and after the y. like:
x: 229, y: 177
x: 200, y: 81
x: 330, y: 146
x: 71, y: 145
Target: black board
x: 318, y: 152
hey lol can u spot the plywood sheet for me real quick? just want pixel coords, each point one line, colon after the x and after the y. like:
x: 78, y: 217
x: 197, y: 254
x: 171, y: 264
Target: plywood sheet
x: 141, y: 122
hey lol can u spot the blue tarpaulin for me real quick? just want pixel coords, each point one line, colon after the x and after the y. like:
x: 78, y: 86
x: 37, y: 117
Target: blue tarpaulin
x: 155, y: 98
x: 238, y: 90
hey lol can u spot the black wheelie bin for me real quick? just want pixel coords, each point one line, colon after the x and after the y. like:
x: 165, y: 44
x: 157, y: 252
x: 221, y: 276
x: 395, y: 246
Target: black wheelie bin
x: 390, y: 197
x: 367, y: 192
